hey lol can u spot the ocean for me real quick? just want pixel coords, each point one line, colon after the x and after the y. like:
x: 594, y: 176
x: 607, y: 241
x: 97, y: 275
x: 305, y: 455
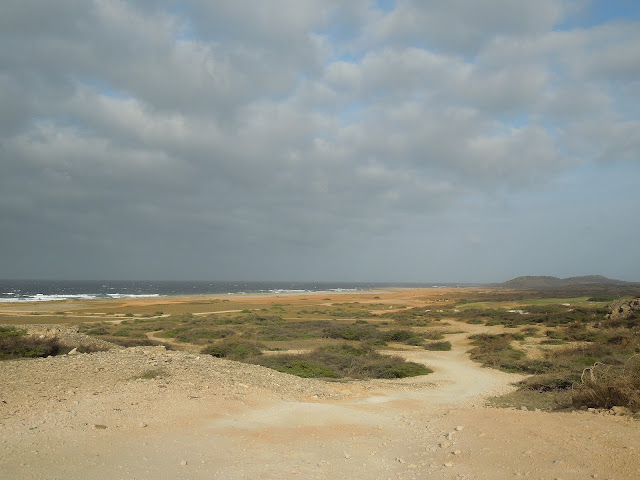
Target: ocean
x: 50, y: 290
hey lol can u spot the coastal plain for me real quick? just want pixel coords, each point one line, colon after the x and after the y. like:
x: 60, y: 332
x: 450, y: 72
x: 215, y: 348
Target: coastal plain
x: 166, y: 410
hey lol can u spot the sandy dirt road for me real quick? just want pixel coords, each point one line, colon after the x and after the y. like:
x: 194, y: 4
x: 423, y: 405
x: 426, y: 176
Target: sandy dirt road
x: 432, y: 427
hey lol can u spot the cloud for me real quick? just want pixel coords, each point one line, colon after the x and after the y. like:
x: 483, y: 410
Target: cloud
x: 461, y: 26
x: 240, y: 133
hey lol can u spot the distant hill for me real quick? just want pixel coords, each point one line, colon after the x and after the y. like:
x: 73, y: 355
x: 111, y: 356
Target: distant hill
x: 543, y: 282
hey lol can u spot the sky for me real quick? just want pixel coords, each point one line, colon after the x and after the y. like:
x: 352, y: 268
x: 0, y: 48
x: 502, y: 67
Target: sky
x: 319, y: 140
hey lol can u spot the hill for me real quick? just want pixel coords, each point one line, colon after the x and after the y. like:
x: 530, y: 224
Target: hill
x: 585, y: 284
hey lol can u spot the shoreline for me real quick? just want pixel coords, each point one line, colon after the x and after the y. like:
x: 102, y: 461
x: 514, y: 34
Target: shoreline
x: 235, y: 295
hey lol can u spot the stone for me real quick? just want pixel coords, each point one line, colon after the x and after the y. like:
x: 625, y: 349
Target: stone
x: 459, y: 428
x: 183, y: 463
x: 618, y: 410
x: 624, y: 308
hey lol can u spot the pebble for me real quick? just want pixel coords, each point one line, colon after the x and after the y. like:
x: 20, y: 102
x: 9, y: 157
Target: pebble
x: 448, y: 464
x: 183, y: 463
x: 459, y: 428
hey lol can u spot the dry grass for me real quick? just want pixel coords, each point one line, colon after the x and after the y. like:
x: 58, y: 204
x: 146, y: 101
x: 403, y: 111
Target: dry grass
x: 604, y: 386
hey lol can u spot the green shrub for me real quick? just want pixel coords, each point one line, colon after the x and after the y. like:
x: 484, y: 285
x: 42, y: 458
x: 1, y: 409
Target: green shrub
x: 350, y: 361
x: 123, y: 332
x: 22, y: 346
x: 234, y: 349
x: 98, y: 331
x: 396, y: 369
x: 203, y: 335
x: 350, y: 332
x: 549, y: 382
x: 438, y: 346
x: 6, y: 332
x: 495, y: 351
x: 298, y: 367
x: 530, y: 331
x: 402, y: 336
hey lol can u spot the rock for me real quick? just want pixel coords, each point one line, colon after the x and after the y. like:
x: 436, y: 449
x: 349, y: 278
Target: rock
x: 74, y: 351
x: 448, y: 464
x: 99, y: 427
x: 618, y: 410
x: 459, y: 428
x: 524, y: 409
x: 183, y: 463
x: 457, y: 452
x: 142, y: 424
x: 623, y: 309
x: 400, y: 460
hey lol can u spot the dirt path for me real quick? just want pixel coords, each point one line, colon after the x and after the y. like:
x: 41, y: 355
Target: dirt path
x: 206, y: 418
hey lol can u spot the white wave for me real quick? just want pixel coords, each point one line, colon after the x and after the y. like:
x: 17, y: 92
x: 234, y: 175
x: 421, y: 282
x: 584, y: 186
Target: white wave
x: 132, y: 295
x: 285, y: 290
x: 41, y: 297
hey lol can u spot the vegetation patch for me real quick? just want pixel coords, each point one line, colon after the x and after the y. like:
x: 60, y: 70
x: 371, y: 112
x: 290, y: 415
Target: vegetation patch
x: 605, y: 386
x: 347, y: 361
x: 15, y: 343
x: 443, y: 346
x: 234, y: 349
x: 298, y: 366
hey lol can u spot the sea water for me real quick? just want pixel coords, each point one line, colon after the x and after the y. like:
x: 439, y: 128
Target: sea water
x: 50, y: 290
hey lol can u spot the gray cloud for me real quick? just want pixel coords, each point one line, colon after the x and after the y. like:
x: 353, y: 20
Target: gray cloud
x: 235, y: 140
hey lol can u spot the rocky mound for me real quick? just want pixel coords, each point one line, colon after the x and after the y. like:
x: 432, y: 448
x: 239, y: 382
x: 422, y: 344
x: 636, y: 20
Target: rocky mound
x: 623, y: 309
